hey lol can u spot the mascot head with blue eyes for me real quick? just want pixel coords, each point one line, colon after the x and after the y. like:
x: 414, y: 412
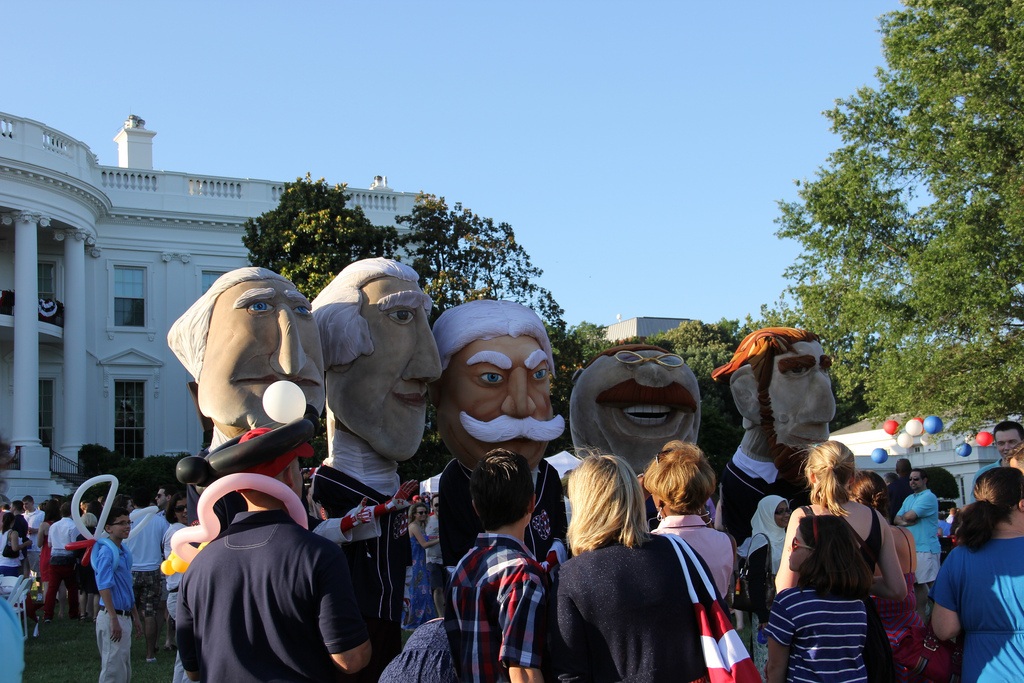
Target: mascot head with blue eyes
x: 495, y: 385
x: 380, y: 356
x: 258, y: 329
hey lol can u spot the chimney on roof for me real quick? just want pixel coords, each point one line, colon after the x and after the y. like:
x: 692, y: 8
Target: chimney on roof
x: 134, y: 144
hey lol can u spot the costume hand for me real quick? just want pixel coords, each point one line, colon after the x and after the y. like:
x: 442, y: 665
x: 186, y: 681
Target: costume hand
x: 356, y: 516
x: 405, y: 492
x: 400, y: 500
x: 556, y: 556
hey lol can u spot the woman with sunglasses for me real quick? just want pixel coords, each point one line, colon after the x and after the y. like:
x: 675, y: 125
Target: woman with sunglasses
x: 421, y: 598
x: 898, y: 616
x: 818, y: 629
x: 176, y: 515
x: 979, y: 587
x: 829, y: 470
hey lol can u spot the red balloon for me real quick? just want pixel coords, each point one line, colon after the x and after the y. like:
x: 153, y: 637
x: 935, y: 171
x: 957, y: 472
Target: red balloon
x: 919, y: 419
x: 890, y: 427
x: 984, y: 438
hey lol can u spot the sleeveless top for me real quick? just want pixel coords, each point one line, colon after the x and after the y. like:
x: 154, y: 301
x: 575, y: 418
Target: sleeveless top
x: 870, y: 547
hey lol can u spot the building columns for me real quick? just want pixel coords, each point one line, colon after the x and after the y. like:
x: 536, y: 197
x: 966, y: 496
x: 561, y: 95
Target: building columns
x: 75, y: 242
x: 25, y: 430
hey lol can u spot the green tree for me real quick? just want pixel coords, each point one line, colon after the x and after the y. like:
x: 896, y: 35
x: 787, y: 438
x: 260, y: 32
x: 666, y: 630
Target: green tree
x: 461, y: 256
x: 912, y: 264
x: 572, y: 347
x: 313, y: 234
x: 704, y: 347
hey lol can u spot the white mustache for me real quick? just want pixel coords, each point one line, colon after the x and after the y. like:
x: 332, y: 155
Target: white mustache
x: 506, y: 428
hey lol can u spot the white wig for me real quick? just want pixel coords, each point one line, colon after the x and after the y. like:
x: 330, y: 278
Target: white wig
x: 458, y: 327
x: 344, y: 333
x: 187, y: 336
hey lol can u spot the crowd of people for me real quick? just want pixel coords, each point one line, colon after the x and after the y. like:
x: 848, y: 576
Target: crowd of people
x: 627, y: 604
x: 845, y: 595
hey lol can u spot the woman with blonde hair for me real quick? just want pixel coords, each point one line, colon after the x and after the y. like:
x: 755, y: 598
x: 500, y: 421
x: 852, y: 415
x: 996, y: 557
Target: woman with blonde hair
x: 623, y: 591
x: 681, y: 481
x: 829, y: 471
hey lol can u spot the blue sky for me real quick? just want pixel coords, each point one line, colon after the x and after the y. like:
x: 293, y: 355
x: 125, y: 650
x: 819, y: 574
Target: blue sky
x: 638, y: 149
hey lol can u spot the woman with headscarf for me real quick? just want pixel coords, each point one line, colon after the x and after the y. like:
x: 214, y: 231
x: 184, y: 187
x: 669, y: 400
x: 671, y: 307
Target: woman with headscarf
x: 764, y: 554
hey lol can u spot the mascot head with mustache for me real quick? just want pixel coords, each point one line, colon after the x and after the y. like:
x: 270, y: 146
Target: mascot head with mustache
x: 629, y: 400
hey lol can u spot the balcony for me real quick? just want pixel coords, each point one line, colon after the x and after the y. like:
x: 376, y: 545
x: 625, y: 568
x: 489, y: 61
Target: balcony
x: 50, y: 315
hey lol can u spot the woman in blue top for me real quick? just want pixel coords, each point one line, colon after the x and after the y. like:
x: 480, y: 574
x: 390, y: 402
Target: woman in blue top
x: 980, y: 587
x: 817, y: 630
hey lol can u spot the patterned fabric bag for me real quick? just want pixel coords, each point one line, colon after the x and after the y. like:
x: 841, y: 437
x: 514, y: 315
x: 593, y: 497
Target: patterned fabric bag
x: 726, y: 658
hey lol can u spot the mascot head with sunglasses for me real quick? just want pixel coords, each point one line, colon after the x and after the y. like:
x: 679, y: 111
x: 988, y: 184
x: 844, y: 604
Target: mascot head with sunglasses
x: 630, y: 400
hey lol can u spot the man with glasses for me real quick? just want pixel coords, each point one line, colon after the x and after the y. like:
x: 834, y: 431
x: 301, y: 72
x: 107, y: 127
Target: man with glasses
x: 112, y: 562
x: 631, y: 400
x: 1006, y: 435
x: 920, y: 515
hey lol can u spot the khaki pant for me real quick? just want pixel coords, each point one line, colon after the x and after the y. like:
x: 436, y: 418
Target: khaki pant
x: 115, y: 657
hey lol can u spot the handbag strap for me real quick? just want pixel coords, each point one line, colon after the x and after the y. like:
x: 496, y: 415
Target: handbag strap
x: 681, y: 547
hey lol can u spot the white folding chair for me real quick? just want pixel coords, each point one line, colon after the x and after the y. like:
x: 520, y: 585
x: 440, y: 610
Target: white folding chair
x: 17, y: 600
x: 8, y: 584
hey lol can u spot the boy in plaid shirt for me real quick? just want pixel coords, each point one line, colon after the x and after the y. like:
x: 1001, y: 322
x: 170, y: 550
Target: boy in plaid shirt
x: 496, y: 610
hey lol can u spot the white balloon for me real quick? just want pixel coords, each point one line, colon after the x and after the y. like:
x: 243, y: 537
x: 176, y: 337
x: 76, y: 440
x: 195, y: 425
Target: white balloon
x: 905, y: 440
x: 914, y: 428
x: 283, y: 401
x: 926, y: 440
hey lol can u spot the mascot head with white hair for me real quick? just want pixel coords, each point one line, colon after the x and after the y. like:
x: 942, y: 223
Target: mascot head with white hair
x: 495, y: 386
x: 250, y: 329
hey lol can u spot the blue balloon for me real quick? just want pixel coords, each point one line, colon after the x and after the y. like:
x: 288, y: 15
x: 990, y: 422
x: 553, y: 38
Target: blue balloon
x: 879, y: 455
x: 963, y: 450
x: 932, y: 424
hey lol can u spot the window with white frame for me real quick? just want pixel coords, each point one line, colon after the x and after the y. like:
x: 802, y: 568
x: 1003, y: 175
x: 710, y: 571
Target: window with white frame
x: 130, y: 418
x: 209, y: 277
x: 46, y: 412
x: 129, y: 296
x: 47, y: 280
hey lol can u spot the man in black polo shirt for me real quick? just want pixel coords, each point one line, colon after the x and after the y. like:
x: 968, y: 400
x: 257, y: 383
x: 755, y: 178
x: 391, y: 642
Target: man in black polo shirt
x: 269, y: 600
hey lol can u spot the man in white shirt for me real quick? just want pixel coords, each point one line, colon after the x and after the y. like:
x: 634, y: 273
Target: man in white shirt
x: 34, y: 517
x: 62, y: 564
x: 146, y: 546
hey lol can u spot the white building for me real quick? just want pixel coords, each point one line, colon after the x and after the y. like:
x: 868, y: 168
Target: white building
x: 126, y: 250
x: 927, y: 451
x: 642, y: 327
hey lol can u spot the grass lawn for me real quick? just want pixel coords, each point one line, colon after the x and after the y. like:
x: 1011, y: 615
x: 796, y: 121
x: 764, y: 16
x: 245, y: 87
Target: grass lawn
x: 66, y: 651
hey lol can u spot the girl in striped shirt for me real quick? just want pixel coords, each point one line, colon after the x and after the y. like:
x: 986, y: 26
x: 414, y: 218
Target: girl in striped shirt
x: 817, y: 630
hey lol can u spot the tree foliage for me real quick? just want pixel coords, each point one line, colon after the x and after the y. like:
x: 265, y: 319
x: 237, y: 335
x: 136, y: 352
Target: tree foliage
x: 313, y: 234
x: 912, y: 266
x: 461, y: 256
x: 705, y: 346
x: 572, y: 347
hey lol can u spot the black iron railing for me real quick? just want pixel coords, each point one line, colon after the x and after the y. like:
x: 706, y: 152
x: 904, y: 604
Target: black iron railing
x: 66, y: 468
x: 14, y: 463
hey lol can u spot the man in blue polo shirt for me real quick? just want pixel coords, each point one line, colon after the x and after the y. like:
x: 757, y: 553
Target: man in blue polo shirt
x: 920, y: 515
x: 268, y: 600
x: 112, y: 563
